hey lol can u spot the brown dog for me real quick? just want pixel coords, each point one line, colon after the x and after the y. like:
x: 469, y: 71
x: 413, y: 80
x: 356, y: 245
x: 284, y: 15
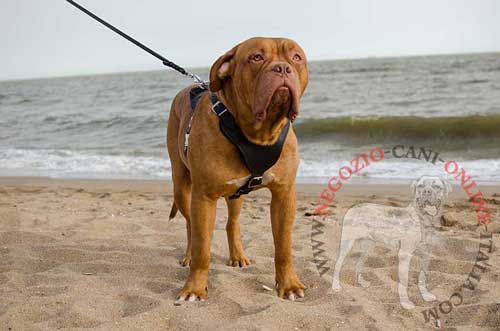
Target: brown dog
x: 260, y: 81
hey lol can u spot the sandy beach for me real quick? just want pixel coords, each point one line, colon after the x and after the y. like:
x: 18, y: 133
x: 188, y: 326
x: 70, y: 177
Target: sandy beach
x: 102, y: 255
x: 384, y: 116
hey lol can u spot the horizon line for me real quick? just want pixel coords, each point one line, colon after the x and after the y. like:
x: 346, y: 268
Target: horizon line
x: 110, y: 73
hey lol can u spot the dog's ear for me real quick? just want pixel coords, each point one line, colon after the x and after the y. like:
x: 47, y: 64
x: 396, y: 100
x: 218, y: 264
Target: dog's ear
x: 221, y: 70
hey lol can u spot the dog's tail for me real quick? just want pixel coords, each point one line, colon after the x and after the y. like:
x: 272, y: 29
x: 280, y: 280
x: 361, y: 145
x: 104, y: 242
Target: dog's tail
x: 173, y: 211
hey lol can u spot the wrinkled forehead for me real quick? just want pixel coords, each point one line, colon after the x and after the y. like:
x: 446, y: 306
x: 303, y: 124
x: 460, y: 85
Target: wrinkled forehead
x: 268, y: 45
x: 430, y: 181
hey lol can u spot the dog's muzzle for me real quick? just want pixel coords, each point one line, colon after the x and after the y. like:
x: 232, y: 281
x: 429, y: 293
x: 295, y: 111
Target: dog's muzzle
x: 429, y: 203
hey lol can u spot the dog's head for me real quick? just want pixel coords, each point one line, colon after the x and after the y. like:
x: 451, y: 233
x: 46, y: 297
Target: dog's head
x: 263, y: 77
x: 430, y: 194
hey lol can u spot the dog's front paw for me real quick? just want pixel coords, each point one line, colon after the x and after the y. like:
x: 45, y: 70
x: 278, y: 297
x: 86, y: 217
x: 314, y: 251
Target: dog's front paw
x: 193, y: 292
x: 407, y: 304
x: 238, y: 260
x: 290, y: 287
x: 429, y: 297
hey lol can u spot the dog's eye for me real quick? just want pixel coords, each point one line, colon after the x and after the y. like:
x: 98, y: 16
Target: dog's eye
x: 297, y: 57
x: 257, y: 57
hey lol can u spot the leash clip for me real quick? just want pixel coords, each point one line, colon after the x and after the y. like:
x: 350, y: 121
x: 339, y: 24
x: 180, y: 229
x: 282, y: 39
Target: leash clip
x: 198, y: 80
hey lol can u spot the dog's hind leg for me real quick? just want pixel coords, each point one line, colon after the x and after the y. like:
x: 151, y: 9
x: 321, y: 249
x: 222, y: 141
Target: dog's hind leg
x: 404, y: 256
x: 366, y: 246
x: 182, y: 198
x: 181, y: 179
x: 423, y: 254
x: 237, y: 256
x: 345, y: 247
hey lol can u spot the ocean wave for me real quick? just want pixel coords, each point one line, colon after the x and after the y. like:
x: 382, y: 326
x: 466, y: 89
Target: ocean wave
x: 404, y: 127
x: 391, y: 169
x: 77, y: 164
x: 22, y: 101
x: 114, y: 125
x: 475, y: 81
x: 83, y: 122
x: 66, y: 163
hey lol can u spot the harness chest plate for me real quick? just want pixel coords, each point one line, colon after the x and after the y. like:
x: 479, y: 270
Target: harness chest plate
x: 257, y: 158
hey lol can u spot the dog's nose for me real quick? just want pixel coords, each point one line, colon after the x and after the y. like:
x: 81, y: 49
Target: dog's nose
x: 282, y: 68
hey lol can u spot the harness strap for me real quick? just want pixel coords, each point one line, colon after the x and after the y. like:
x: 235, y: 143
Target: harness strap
x: 194, y: 96
x: 257, y: 158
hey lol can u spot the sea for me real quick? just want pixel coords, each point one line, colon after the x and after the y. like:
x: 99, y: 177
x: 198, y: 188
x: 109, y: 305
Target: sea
x: 113, y: 126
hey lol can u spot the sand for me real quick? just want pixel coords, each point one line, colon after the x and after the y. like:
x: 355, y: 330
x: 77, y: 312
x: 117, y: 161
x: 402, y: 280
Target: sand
x: 102, y: 255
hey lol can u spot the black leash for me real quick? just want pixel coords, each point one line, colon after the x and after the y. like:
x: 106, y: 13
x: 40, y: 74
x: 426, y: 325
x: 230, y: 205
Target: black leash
x: 258, y: 159
x: 164, y: 60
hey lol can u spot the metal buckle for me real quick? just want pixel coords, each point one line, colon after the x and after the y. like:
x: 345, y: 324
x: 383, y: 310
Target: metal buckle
x: 215, y: 105
x: 255, y: 181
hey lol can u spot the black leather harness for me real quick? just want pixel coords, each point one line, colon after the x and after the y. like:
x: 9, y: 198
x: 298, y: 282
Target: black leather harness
x: 257, y: 158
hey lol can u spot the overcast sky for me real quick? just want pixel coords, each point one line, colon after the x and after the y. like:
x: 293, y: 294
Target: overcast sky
x: 42, y: 38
